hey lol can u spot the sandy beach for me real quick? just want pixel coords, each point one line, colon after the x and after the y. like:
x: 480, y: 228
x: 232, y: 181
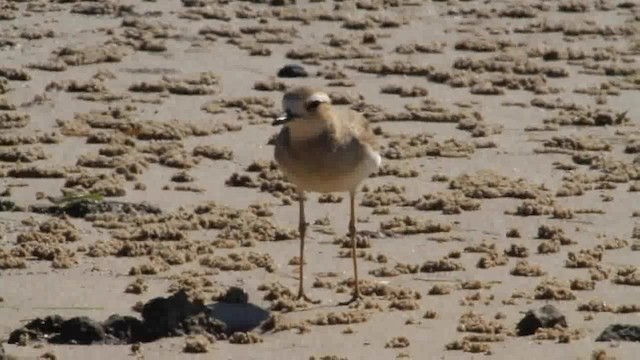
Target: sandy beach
x: 136, y: 162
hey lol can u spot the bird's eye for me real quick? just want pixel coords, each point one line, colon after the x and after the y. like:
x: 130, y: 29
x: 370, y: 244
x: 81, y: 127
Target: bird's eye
x: 312, y: 105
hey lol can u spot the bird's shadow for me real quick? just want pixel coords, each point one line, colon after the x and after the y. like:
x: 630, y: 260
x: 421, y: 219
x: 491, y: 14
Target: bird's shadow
x: 241, y: 317
x: 245, y: 317
x: 319, y: 306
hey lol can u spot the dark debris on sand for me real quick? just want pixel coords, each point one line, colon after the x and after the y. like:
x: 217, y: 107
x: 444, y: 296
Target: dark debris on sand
x: 176, y: 315
x: 547, y: 316
x: 82, y: 207
x: 620, y: 332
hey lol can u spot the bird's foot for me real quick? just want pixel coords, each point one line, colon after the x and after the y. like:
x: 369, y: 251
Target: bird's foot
x: 303, y: 297
x: 355, y: 300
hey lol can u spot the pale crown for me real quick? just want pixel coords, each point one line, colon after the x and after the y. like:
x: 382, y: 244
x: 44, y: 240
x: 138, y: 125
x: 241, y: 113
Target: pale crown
x: 297, y: 105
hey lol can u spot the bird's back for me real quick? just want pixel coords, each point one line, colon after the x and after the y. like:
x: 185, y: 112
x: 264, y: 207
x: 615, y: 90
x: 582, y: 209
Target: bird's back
x: 354, y: 125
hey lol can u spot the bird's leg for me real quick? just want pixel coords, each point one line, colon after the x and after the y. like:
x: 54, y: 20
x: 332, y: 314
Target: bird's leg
x: 302, y: 228
x: 352, y: 234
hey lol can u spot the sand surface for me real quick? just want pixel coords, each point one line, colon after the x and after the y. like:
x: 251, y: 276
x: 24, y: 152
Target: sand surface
x: 495, y: 119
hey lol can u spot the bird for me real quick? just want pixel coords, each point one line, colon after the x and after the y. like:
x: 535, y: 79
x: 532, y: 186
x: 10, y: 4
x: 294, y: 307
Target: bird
x: 324, y: 149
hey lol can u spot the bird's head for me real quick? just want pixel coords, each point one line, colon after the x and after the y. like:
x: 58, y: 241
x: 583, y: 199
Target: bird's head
x: 301, y: 103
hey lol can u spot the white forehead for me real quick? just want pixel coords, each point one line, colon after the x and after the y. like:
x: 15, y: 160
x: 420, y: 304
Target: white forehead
x: 320, y: 97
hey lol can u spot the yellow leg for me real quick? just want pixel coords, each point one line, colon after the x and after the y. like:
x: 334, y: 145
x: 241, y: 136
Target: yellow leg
x: 352, y: 235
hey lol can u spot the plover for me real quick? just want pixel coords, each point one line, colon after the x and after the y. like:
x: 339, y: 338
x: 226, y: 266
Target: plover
x: 324, y: 149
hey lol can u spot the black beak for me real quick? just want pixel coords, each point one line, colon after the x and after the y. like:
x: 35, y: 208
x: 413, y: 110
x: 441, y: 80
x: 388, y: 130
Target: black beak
x: 281, y: 120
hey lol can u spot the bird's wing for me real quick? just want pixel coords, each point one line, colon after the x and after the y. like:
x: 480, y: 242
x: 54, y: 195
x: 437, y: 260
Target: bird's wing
x: 357, y: 127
